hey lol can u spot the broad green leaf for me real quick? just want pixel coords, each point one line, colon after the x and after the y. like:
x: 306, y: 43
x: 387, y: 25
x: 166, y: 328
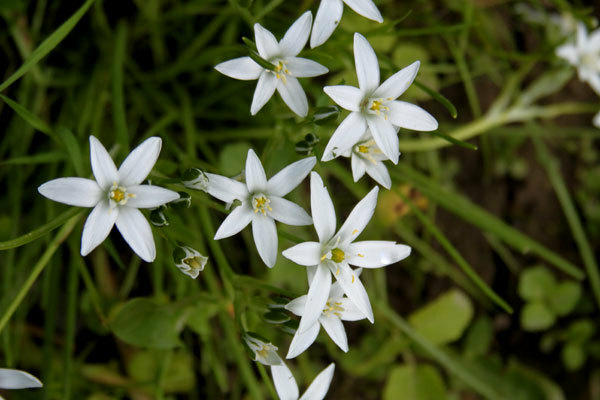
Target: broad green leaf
x: 28, y: 116
x: 536, y: 316
x: 199, y: 318
x: 145, y: 366
x: 445, y: 319
x: 232, y: 159
x: 479, y: 337
x: 414, y: 382
x: 573, y: 356
x: 536, y: 283
x: 565, y: 297
x: 581, y: 331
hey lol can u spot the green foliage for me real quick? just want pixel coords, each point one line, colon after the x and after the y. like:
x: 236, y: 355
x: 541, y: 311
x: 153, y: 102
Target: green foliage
x: 414, y: 382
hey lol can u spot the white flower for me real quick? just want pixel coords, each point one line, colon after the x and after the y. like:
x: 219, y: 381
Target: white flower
x: 334, y: 253
x: 288, y: 67
x: 17, y: 379
x: 287, y: 388
x: 264, y: 352
x: 261, y: 202
x: 336, y: 309
x: 375, y: 106
x: 190, y: 261
x: 585, y: 55
x: 116, y: 196
x: 367, y: 157
x: 329, y: 15
x: 596, y: 120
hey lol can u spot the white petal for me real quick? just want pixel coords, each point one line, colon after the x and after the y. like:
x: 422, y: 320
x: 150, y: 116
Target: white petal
x: 243, y: 68
x: 226, y: 189
x: 237, y: 220
x: 311, y: 271
x: 367, y: 66
x: 568, y: 52
x: 103, y: 167
x: 376, y: 253
x: 345, y: 136
x: 78, y: 192
x: 256, y: 180
x: 366, y: 8
x: 385, y: 136
x: 353, y: 287
x: 335, y: 329
x: 265, y: 238
x: 293, y: 95
x: 139, y: 162
x: 285, y: 384
x: 267, y: 83
x: 17, y: 379
x: 266, y: 44
x: 410, y: 116
x: 97, y: 226
x: 147, y: 196
x: 307, y: 253
x: 317, y: 296
x: 596, y: 120
x: 351, y: 312
x: 397, y: 84
x: 336, y: 291
x: 288, y: 178
x: 137, y: 232
x: 296, y: 36
x: 359, y: 217
x: 358, y: 167
x: 321, y: 208
x: 304, y: 68
x: 328, y: 17
x: 320, y: 385
x: 297, y: 305
x: 287, y: 212
x: 347, y: 97
x: 303, y: 340
x: 379, y: 172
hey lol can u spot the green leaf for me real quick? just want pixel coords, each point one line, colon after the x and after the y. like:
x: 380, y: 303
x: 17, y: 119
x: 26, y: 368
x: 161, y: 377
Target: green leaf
x: 276, y: 317
x: 537, y: 316
x: 452, y: 140
x: 564, y: 299
x: 479, y: 337
x: 410, y: 382
x: 145, y: 323
x: 232, y: 159
x: 439, y: 98
x: 28, y: 116
x: 73, y: 149
x: 547, y: 84
x: 573, y: 356
x: 47, y: 45
x: 260, y: 61
x: 581, y: 331
x: 536, y: 283
x: 145, y: 366
x: 445, y: 319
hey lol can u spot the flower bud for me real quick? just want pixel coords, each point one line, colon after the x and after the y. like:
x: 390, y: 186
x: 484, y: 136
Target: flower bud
x: 195, y: 178
x: 158, y: 217
x: 264, y: 351
x: 189, y: 261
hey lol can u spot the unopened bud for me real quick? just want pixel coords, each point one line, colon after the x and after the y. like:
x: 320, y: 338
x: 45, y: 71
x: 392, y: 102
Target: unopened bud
x: 189, y: 261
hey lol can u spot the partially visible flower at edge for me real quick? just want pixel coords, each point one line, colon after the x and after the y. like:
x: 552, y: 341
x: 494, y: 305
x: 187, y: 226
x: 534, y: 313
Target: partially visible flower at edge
x: 287, y: 388
x: 17, y: 379
x: 584, y: 54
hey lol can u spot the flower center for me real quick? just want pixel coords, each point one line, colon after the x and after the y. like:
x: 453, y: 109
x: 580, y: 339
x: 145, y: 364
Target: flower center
x: 194, y: 263
x: 337, y: 255
x: 333, y: 308
x: 281, y: 70
x: 368, y: 150
x: 117, y: 195
x: 377, y: 106
x: 260, y: 203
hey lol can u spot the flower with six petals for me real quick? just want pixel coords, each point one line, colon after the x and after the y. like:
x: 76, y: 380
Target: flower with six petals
x: 584, y: 54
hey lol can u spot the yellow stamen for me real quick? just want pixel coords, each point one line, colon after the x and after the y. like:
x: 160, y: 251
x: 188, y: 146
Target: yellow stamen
x: 363, y: 148
x: 352, y: 278
x: 337, y: 255
x: 354, y: 232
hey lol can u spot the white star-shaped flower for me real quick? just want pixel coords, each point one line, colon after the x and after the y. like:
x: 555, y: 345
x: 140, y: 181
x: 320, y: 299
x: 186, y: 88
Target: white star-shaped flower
x: 334, y: 253
x: 17, y: 379
x: 584, y: 54
x: 337, y: 309
x: 367, y: 157
x: 375, y: 106
x: 262, y: 202
x: 288, y: 67
x: 329, y: 15
x: 287, y: 388
x: 116, y: 196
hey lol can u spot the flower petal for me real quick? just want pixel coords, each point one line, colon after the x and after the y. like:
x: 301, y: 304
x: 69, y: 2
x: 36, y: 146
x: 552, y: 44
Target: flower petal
x: 351, y: 312
x: 311, y: 270
x: 336, y: 291
x: 293, y: 95
x: 303, y: 340
x: 288, y: 178
x: 367, y: 66
x: 97, y: 226
x: 568, y: 52
x: 265, y: 238
x: 137, y: 232
x: 147, y: 196
x: 385, y: 136
x: 347, y: 97
x: 359, y: 217
x: 285, y: 384
x: 243, y: 68
x: 226, y: 189
x: 596, y: 120
x: 139, y: 162
x: 358, y: 167
x: 321, y: 208
x: 307, y: 253
x: 17, y: 379
x: 296, y: 36
x: 327, y: 19
x: 376, y: 253
x: 297, y: 305
x: 379, y: 172
x: 317, y: 296
x: 79, y: 192
x: 397, y: 84
x: 353, y: 287
x: 345, y: 136
x: 335, y: 329
x: 287, y: 212
x: 320, y: 385
x: 266, y: 44
x: 410, y: 116
x: 103, y: 167
x: 267, y: 83
x: 366, y: 8
x: 256, y: 180
x: 237, y: 220
x: 304, y: 68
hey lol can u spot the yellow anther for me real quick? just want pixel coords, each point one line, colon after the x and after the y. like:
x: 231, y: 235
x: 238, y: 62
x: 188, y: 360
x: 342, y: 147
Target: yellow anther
x: 376, y: 105
x: 352, y: 278
x: 337, y: 255
x: 117, y: 195
x: 360, y: 255
x: 337, y: 272
x: 354, y: 232
x: 261, y: 203
x: 323, y: 257
x: 363, y: 148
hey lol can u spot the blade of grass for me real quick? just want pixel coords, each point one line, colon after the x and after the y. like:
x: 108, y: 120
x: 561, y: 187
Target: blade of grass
x: 452, y: 140
x: 118, y: 102
x: 28, y: 116
x: 438, y: 97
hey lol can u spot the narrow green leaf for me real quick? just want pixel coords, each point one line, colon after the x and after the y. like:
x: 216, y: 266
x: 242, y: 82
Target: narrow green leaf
x: 41, y: 158
x: 438, y: 97
x: 118, y: 101
x: 452, y: 140
x: 47, y: 45
x: 73, y: 149
x: 28, y: 116
x: 260, y: 61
